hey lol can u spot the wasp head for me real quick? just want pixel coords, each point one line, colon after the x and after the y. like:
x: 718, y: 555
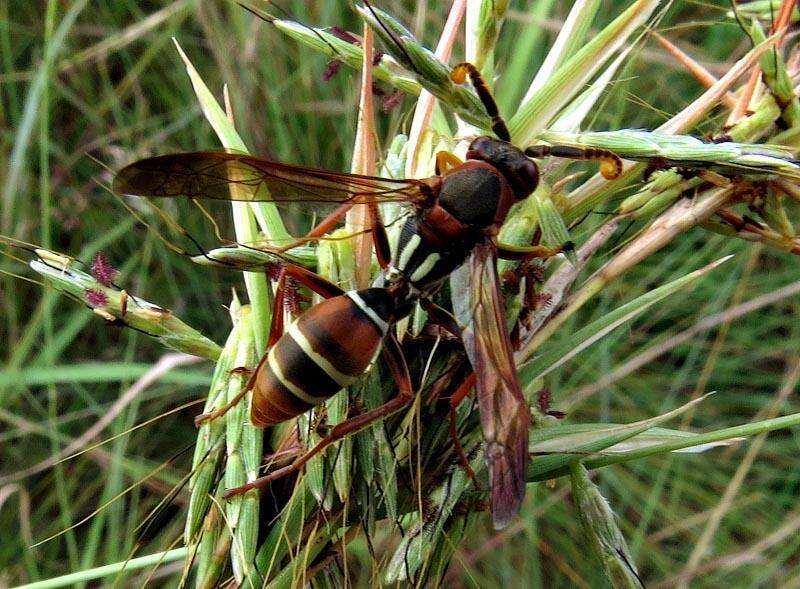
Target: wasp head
x: 521, y: 172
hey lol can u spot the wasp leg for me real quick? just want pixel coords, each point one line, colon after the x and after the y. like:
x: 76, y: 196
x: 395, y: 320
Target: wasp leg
x: 315, y: 282
x: 322, y: 286
x: 459, y: 74
x: 325, y: 226
x: 393, y: 356
x: 446, y: 160
x: 441, y: 317
x: 455, y: 400
x: 610, y: 162
x: 379, y: 237
x: 217, y: 413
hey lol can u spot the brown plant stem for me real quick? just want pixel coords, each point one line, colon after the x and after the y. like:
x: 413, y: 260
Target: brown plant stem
x: 357, y: 221
x: 694, y: 67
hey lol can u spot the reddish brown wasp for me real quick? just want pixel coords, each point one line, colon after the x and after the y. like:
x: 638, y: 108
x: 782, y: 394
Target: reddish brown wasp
x: 456, y: 215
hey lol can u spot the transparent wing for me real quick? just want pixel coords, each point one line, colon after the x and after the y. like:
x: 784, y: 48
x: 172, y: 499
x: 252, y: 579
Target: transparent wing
x: 212, y: 175
x: 503, y: 412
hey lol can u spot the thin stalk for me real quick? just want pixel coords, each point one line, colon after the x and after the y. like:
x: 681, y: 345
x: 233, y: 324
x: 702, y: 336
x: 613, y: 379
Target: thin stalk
x: 109, y: 570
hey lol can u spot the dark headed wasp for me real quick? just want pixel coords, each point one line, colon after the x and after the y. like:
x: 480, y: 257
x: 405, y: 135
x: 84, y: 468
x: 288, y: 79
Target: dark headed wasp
x: 455, y: 217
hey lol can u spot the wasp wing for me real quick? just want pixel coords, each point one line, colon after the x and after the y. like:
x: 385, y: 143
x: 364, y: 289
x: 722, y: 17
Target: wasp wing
x: 504, y: 413
x: 210, y: 174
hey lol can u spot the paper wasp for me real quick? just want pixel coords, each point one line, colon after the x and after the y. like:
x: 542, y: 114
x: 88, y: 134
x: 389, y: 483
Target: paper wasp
x: 456, y: 215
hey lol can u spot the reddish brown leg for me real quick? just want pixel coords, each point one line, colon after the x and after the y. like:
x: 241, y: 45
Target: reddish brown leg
x: 393, y: 356
x: 455, y: 400
x: 319, y: 285
x: 444, y: 380
x: 441, y: 317
x: 322, y: 286
x: 379, y: 237
x: 320, y: 229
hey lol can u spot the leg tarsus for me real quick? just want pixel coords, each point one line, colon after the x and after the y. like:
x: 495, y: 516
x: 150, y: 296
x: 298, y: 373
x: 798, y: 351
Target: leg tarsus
x: 221, y: 411
x: 340, y: 431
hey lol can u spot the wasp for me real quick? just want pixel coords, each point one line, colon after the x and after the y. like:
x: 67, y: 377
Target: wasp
x: 455, y: 217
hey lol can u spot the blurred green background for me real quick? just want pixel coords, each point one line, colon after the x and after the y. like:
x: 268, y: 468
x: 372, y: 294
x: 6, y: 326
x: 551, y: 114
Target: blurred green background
x: 85, y: 81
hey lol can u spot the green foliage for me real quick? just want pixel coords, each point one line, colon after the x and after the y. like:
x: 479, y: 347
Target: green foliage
x: 105, y: 79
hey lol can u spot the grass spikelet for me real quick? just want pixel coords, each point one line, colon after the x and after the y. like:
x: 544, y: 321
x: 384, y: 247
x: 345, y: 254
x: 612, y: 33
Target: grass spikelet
x: 107, y: 301
x: 599, y: 523
x: 627, y: 299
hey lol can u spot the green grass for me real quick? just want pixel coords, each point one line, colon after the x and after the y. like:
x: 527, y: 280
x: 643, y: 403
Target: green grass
x: 74, y: 85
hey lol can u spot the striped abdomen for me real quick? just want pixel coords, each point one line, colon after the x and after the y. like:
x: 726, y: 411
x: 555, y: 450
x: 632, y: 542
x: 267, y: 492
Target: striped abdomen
x: 323, y: 351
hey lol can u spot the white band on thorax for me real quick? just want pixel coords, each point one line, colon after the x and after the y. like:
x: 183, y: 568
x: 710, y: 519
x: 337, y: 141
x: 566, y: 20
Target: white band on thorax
x: 424, y: 268
x: 408, y: 250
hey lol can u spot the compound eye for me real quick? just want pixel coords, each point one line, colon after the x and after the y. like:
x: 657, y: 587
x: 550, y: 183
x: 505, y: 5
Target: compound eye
x: 529, y: 173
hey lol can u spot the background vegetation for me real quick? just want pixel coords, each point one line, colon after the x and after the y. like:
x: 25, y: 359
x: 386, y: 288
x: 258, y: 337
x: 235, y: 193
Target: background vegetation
x: 103, y: 79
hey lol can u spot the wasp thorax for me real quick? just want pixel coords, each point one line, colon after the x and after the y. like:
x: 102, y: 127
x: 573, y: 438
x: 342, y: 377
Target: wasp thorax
x: 519, y: 170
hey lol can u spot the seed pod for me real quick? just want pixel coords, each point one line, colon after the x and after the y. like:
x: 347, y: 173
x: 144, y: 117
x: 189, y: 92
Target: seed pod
x: 208, y: 452
x: 317, y: 473
x: 777, y: 78
x: 431, y: 73
x: 347, y: 53
x: 341, y: 454
x: 418, y: 543
x: 662, y: 191
x: 249, y: 258
x: 200, y: 485
x: 729, y: 157
x: 488, y: 22
x: 774, y: 213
